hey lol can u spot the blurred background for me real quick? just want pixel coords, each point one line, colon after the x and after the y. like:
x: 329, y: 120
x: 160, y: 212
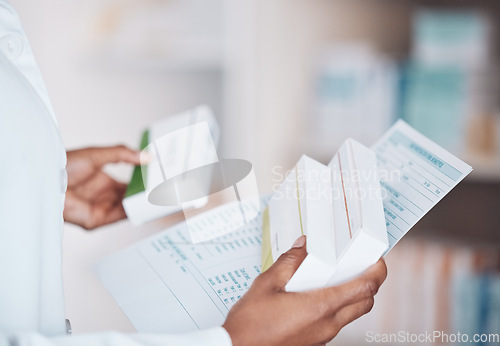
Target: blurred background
x: 286, y: 78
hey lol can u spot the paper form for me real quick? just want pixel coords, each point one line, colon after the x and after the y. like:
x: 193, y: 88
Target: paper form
x: 415, y: 174
x: 167, y: 284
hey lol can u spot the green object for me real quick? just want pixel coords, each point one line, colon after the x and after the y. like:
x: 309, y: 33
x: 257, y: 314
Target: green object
x: 136, y: 184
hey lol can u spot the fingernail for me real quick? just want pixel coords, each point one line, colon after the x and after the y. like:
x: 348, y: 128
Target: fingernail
x: 301, y: 241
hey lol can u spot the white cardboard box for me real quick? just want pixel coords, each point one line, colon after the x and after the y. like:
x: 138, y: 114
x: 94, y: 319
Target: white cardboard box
x: 178, y: 134
x: 339, y: 208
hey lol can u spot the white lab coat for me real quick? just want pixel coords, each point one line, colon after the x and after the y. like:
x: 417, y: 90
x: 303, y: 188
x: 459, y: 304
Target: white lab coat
x: 32, y: 186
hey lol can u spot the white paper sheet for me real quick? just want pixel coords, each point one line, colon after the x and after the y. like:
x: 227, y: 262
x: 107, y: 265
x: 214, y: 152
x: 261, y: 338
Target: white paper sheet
x: 415, y: 174
x: 167, y: 284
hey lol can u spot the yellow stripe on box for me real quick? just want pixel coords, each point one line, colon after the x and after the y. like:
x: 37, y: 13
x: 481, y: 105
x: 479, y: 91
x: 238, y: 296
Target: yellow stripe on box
x: 267, y: 256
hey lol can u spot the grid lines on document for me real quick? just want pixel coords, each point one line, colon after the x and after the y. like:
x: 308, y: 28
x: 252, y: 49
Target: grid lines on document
x: 218, y: 223
x: 410, y: 187
x: 222, y: 269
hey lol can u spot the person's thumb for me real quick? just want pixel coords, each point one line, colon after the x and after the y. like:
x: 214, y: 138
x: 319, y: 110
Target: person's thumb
x: 114, y: 154
x: 285, y: 266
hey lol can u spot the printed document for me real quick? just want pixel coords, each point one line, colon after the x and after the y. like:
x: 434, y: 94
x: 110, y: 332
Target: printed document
x: 415, y: 174
x: 167, y: 284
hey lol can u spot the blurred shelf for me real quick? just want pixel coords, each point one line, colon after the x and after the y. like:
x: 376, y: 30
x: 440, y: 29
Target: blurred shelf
x: 485, y: 169
x: 468, y: 214
x: 159, y: 35
x: 181, y: 61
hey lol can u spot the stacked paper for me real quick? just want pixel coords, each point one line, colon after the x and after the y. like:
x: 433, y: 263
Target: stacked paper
x: 339, y: 208
x: 176, y: 144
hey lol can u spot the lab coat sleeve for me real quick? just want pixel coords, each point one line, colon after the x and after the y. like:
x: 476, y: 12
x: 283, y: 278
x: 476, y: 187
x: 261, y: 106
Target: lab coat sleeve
x: 209, y: 337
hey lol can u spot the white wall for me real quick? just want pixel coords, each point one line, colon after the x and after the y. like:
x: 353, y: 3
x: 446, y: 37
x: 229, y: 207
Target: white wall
x: 262, y: 93
x: 104, y: 102
x: 276, y: 47
x: 100, y: 102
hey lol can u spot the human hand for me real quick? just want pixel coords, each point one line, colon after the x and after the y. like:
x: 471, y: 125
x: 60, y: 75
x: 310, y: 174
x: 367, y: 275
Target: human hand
x: 93, y: 198
x: 268, y: 315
